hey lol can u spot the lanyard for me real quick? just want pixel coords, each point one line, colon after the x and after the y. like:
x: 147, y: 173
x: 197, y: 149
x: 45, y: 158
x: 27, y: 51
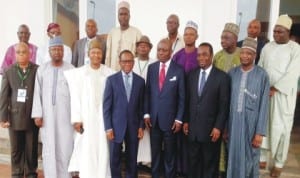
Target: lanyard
x: 23, y: 77
x: 142, y: 70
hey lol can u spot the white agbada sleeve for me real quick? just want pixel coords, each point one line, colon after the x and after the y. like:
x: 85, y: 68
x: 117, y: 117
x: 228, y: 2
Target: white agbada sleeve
x: 75, y: 83
x: 287, y: 82
x: 37, y: 109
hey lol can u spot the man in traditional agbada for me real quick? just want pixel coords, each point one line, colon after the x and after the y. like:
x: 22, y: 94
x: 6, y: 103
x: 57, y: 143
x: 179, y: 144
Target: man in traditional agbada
x: 248, y: 114
x: 281, y: 60
x: 229, y: 56
x: 90, y: 156
x: 51, y: 112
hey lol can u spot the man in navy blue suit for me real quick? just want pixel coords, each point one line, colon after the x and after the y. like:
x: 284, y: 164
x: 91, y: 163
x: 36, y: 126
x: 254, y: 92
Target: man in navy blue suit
x: 165, y: 101
x: 123, y: 115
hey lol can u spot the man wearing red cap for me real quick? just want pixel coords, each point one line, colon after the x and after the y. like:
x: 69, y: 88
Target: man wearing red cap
x: 53, y: 30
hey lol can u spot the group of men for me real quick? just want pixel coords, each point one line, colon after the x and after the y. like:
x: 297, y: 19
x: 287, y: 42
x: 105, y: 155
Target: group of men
x: 197, y: 113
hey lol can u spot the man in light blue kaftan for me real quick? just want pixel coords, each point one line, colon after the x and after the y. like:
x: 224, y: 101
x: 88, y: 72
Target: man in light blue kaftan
x: 248, y: 114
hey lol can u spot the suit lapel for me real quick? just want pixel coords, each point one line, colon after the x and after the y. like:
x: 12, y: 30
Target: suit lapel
x: 169, y: 74
x: 120, y: 80
x: 156, y: 75
x: 133, y: 87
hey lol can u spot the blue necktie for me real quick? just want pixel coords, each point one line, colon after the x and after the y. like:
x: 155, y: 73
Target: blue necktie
x: 202, y: 83
x: 127, y: 86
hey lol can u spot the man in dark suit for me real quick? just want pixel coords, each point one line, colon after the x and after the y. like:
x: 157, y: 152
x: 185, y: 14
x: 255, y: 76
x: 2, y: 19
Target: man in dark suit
x: 80, y: 52
x: 253, y: 30
x: 15, y: 113
x: 165, y: 97
x: 207, y: 108
x: 123, y: 111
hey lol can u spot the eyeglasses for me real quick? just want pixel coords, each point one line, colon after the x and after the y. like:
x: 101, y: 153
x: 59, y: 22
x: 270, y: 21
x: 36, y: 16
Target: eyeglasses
x: 127, y: 61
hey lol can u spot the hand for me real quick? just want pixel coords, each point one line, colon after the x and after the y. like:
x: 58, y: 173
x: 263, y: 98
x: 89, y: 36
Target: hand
x: 215, y: 134
x: 5, y: 124
x: 38, y: 122
x: 225, y: 135
x: 110, y: 135
x: 176, y: 127
x: 273, y: 90
x: 257, y: 140
x: 186, y: 128
x: 78, y: 126
x: 147, y: 123
x: 140, y: 133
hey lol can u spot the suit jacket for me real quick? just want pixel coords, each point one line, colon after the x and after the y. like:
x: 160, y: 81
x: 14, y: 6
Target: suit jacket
x: 260, y: 44
x: 167, y: 105
x: 79, y: 51
x: 211, y: 109
x: 17, y: 113
x: 119, y: 114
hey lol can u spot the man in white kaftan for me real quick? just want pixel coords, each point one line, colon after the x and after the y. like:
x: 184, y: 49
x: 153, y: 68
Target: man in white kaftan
x: 120, y: 38
x: 141, y: 63
x: 91, y: 153
x: 281, y: 60
x: 51, y: 112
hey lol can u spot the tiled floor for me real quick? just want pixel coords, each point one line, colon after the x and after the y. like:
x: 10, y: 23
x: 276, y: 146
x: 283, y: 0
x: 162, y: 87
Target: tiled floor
x: 291, y: 169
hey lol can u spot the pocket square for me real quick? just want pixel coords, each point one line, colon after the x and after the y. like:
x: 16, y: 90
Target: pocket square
x: 173, y: 79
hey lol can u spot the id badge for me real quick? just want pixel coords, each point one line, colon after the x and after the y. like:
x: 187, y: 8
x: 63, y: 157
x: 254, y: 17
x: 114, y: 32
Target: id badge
x: 21, y: 95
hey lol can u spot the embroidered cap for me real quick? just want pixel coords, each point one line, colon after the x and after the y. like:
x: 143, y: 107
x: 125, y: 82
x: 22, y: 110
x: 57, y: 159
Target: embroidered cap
x: 285, y: 21
x: 192, y: 24
x: 95, y: 44
x: 232, y: 28
x: 124, y: 4
x: 56, y: 41
x: 250, y: 43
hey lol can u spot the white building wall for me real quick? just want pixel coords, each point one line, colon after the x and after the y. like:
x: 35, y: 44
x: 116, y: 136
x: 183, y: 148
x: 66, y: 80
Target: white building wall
x: 210, y: 15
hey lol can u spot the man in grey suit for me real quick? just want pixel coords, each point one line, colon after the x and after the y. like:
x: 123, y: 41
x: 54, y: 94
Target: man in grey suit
x: 15, y: 113
x: 80, y: 52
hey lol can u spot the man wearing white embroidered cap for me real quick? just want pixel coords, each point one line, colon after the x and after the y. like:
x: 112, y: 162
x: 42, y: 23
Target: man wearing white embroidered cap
x: 121, y: 38
x: 281, y: 59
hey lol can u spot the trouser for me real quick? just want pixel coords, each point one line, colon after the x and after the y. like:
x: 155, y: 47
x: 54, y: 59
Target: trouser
x: 279, y: 150
x: 24, y: 153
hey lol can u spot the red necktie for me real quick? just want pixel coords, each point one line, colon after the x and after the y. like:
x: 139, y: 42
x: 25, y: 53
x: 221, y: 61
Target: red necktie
x: 162, y: 76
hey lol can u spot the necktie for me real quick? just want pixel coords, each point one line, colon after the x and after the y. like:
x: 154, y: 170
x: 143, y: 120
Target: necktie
x: 162, y: 76
x: 127, y: 86
x: 202, y: 83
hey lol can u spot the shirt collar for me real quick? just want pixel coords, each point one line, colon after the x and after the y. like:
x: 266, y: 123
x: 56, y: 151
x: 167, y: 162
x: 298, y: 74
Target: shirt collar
x: 129, y: 74
x: 166, y: 63
x: 207, y: 71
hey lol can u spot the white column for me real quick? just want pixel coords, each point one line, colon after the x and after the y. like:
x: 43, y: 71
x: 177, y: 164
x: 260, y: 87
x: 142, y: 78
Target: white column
x: 274, y: 13
x: 82, y: 17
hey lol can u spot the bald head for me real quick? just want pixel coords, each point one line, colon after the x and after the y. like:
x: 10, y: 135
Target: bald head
x: 173, y: 23
x: 23, y: 33
x: 254, y: 28
x: 164, y: 50
x: 22, y: 53
x: 91, y: 28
